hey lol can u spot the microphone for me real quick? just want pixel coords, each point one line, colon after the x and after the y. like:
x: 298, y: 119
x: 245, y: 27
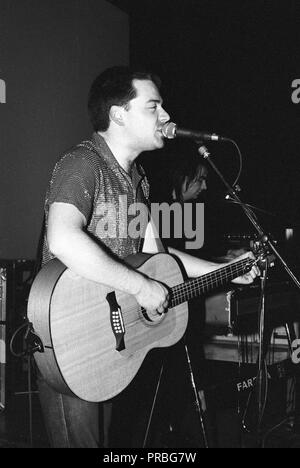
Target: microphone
x: 170, y: 131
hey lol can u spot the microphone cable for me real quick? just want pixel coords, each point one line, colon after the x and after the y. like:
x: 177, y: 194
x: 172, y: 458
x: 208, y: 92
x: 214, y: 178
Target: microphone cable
x: 240, y: 165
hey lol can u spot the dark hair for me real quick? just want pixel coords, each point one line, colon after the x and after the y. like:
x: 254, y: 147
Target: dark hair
x: 179, y: 161
x: 184, y: 165
x: 112, y: 87
x: 188, y: 170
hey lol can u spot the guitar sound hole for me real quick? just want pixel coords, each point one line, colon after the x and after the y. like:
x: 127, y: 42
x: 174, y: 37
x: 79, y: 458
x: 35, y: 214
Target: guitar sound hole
x: 153, y: 315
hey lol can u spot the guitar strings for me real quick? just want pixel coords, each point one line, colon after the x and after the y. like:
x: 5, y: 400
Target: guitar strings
x: 190, y: 288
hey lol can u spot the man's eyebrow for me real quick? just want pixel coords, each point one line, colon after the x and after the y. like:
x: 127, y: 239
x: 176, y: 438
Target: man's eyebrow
x: 159, y: 101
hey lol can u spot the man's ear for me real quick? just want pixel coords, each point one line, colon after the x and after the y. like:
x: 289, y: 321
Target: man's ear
x: 116, y: 115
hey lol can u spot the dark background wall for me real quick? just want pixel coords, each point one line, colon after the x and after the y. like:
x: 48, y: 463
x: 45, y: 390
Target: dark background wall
x: 228, y: 67
x: 50, y: 51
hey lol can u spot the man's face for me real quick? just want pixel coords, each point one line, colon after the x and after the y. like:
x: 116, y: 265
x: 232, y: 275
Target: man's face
x: 145, y: 117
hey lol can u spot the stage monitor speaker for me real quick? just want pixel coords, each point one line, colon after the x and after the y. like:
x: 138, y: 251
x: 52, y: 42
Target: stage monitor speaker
x: 15, y: 282
x: 3, y: 295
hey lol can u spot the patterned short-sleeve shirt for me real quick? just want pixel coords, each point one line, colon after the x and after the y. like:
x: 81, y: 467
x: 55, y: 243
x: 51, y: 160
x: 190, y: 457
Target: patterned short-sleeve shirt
x: 114, y: 203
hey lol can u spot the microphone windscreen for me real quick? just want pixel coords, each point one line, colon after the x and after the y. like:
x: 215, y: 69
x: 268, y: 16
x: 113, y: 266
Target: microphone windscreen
x: 169, y: 130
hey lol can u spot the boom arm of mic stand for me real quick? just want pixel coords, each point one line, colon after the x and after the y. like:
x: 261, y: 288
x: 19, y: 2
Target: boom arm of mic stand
x: 203, y: 151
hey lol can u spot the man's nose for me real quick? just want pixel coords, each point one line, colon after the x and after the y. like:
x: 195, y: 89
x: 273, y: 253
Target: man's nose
x: 164, y: 116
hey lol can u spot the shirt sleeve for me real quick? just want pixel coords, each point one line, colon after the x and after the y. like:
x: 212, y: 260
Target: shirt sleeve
x: 74, y: 181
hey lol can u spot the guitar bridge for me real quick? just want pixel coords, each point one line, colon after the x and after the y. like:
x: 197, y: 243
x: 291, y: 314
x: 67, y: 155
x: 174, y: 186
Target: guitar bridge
x: 116, y: 321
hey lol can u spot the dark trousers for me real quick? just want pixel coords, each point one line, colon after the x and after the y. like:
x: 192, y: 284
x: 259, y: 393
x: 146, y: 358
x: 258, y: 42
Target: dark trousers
x: 121, y: 422
x: 70, y: 422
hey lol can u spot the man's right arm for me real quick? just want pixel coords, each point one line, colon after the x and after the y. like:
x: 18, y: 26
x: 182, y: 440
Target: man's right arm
x: 69, y: 242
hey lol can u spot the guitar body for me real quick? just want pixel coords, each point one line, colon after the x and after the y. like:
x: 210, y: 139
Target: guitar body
x: 79, y: 325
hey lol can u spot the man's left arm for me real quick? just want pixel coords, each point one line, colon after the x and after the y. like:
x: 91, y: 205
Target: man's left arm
x: 196, y: 266
x: 193, y: 266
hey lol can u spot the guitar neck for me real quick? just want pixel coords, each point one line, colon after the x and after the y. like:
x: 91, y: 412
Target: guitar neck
x: 208, y: 282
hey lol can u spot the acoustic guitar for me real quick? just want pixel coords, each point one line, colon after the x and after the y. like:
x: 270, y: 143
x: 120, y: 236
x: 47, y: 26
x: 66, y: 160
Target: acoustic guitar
x: 94, y: 338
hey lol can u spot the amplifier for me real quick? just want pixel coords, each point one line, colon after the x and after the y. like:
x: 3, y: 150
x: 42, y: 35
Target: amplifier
x: 15, y: 281
x: 237, y: 311
x: 231, y: 381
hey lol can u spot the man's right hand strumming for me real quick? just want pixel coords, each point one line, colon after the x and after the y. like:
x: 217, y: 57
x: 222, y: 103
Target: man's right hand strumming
x: 153, y: 296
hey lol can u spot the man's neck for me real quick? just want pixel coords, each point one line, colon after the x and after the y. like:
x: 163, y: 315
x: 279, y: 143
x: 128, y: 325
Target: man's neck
x: 123, y: 155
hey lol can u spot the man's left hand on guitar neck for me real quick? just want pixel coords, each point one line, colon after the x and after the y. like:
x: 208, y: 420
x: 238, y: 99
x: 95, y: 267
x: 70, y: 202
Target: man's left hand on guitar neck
x: 196, y: 266
x: 249, y: 277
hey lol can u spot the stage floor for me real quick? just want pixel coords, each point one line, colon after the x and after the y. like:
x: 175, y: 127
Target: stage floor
x: 22, y: 426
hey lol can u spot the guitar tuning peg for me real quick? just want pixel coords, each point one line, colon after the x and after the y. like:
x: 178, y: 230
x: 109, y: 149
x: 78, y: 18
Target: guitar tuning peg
x: 264, y: 239
x: 255, y: 245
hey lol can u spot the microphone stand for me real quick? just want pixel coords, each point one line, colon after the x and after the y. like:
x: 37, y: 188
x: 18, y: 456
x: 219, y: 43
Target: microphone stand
x: 203, y: 151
